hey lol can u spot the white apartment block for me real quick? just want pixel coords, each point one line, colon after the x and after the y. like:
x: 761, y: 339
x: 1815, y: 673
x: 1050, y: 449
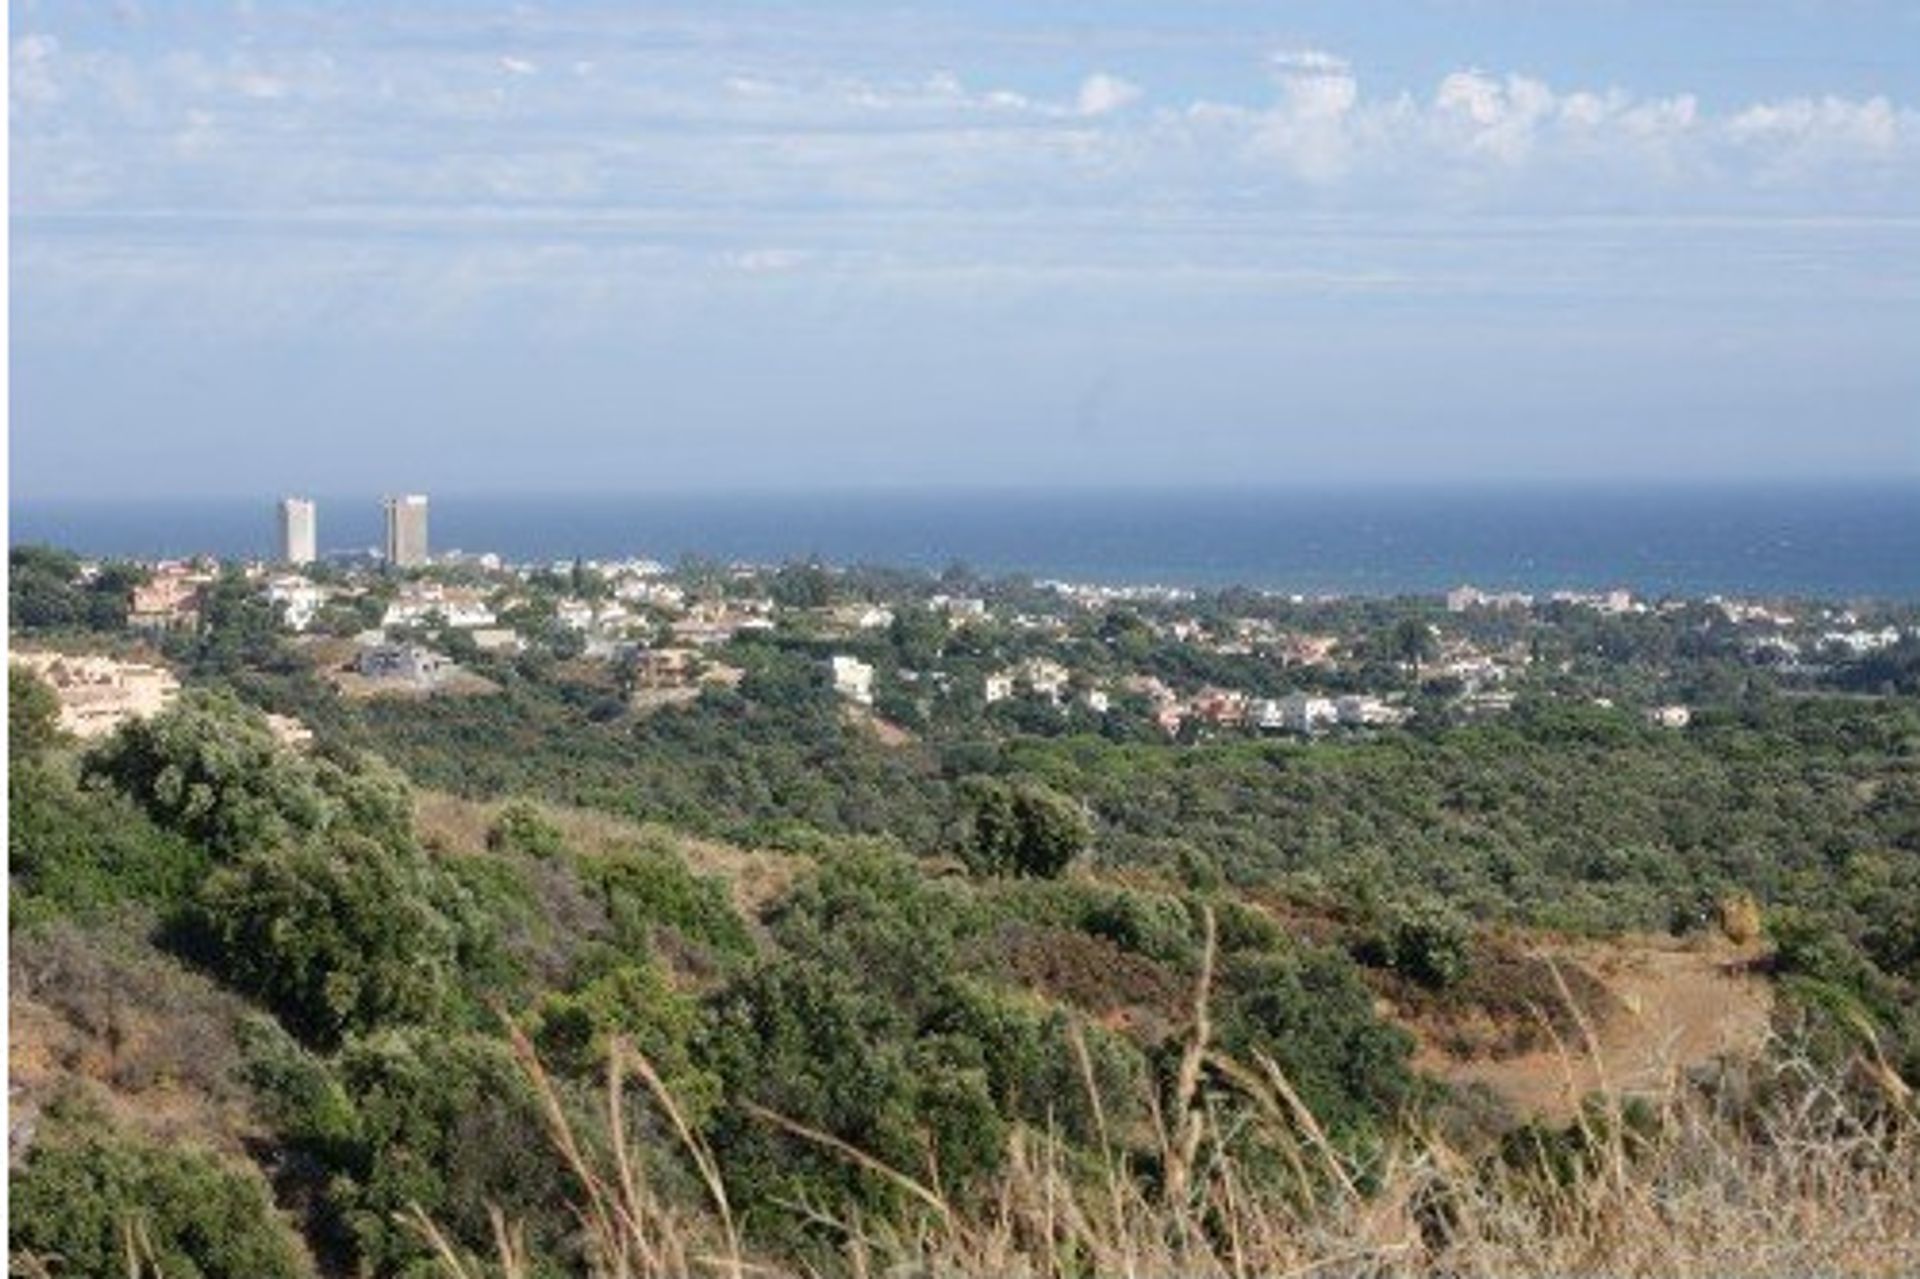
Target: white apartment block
x: 407, y: 530
x: 297, y: 531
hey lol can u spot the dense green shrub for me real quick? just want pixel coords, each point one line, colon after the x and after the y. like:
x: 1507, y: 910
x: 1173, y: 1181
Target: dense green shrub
x: 90, y: 1201
x: 648, y: 888
x: 1423, y: 941
x: 809, y: 1043
x: 211, y: 769
x: 1025, y: 1047
x: 1020, y: 828
x: 877, y: 914
x: 80, y: 851
x: 523, y: 828
x: 635, y: 1002
x: 336, y: 937
x: 448, y: 1122
x: 1308, y: 1011
x: 33, y: 713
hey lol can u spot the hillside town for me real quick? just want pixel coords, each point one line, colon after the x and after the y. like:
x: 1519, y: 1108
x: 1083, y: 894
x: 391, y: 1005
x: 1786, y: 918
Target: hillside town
x: 912, y: 652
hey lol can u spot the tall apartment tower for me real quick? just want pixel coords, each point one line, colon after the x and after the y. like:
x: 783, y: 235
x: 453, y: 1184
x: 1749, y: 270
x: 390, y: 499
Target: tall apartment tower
x: 296, y: 530
x: 407, y: 530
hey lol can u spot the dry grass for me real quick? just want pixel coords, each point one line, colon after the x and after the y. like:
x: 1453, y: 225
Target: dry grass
x: 1818, y: 1180
x: 753, y: 877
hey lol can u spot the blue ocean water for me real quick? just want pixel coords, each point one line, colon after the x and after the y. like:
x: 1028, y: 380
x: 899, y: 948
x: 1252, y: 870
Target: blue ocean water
x: 1833, y: 542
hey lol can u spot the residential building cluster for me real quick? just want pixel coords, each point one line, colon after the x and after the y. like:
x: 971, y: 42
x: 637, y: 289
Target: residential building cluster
x: 98, y: 694
x: 1177, y: 661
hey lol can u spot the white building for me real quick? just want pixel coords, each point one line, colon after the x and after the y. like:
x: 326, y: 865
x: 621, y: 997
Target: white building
x: 298, y: 600
x: 1298, y: 713
x: 1860, y: 642
x: 575, y: 615
x: 1463, y: 598
x: 297, y: 531
x: 853, y: 679
x: 497, y: 639
x: 406, y: 545
x: 1045, y: 678
x: 959, y: 609
x: 429, y: 603
x: 1360, y: 711
x: 998, y: 687
x: 1674, y: 716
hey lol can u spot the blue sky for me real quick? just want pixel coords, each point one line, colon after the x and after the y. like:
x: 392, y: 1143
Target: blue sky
x: 358, y: 247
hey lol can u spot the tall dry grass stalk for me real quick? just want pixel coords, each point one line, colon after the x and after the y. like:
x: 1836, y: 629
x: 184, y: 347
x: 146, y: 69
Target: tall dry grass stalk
x: 1678, y: 1184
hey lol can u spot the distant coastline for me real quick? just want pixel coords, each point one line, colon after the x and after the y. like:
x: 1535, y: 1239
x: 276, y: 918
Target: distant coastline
x: 1837, y: 541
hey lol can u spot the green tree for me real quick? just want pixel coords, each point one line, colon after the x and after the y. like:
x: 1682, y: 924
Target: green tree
x: 336, y: 937
x: 211, y: 769
x: 33, y: 713
x: 1021, y: 828
x: 1412, y: 643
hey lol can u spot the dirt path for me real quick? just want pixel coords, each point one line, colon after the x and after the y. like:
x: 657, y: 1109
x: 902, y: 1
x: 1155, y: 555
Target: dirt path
x: 1681, y: 1005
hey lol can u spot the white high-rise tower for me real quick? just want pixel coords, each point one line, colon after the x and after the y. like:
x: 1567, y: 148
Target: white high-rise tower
x: 297, y: 530
x: 407, y: 530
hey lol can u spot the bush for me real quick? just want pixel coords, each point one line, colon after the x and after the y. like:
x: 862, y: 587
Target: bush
x: 523, y: 828
x: 645, y: 889
x: 33, y: 713
x: 447, y: 1122
x: 81, y: 851
x: 335, y: 938
x: 211, y: 769
x: 635, y: 1002
x: 806, y: 1042
x: 1021, y: 829
x: 1309, y: 1012
x: 1424, y: 941
x: 93, y: 1202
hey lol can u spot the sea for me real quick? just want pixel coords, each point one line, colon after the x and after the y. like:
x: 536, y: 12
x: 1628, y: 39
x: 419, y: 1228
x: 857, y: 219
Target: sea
x: 1834, y: 542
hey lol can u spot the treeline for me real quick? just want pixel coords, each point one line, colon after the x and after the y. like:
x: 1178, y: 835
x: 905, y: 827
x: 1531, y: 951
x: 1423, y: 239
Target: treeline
x: 1572, y: 816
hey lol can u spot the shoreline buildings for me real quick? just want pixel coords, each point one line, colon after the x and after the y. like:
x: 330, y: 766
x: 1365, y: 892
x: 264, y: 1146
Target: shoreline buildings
x: 297, y: 531
x: 407, y: 530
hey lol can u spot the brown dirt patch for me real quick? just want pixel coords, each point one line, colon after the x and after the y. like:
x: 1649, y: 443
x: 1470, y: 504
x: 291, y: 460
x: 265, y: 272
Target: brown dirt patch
x: 1668, y: 1007
x: 1514, y: 1000
x: 151, y: 1042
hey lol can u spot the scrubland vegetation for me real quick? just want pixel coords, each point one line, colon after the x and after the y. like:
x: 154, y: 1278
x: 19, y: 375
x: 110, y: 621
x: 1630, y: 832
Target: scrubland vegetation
x: 499, y: 986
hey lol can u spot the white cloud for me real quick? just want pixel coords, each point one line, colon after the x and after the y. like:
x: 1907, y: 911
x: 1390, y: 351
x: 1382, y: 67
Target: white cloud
x: 1308, y: 131
x: 1102, y: 93
x: 1828, y: 124
x: 31, y: 68
x: 766, y: 261
x: 770, y: 118
x: 1308, y: 62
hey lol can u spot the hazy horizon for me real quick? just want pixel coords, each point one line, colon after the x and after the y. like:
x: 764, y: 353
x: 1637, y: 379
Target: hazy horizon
x: 569, y: 248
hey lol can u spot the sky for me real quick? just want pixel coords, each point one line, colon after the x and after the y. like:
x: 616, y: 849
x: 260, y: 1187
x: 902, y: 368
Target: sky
x: 474, y: 247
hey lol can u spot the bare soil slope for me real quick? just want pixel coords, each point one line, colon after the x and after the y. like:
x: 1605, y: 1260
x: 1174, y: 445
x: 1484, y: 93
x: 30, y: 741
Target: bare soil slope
x: 1670, y: 1006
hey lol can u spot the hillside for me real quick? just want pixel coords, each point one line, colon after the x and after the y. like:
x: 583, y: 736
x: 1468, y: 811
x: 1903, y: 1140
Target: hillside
x: 282, y: 998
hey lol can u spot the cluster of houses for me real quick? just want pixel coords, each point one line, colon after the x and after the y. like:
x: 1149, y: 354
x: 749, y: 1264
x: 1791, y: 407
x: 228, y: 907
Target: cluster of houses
x: 666, y: 637
x: 99, y: 694
x: 171, y: 598
x: 1045, y: 680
